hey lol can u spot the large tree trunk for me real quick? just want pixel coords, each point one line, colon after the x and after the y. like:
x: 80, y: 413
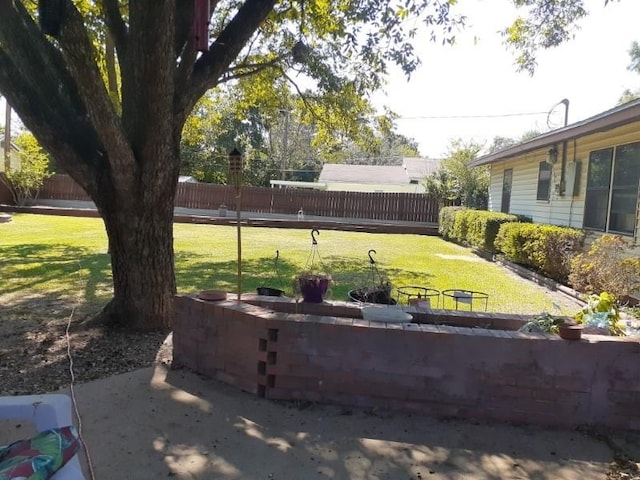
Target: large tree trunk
x: 141, y: 247
x: 139, y: 224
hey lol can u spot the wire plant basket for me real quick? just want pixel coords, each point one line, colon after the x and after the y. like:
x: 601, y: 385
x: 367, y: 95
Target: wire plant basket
x: 377, y: 288
x: 313, y: 282
x: 273, y: 291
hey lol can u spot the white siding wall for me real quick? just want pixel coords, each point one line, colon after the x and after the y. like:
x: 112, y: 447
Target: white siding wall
x: 559, y: 210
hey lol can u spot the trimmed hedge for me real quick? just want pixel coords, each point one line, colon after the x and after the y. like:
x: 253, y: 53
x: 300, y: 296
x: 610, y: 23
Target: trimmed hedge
x: 445, y: 221
x: 477, y: 228
x: 546, y: 248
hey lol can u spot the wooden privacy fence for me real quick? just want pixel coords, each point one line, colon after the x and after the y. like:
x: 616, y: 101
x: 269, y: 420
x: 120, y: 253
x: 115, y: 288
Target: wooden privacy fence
x: 410, y: 207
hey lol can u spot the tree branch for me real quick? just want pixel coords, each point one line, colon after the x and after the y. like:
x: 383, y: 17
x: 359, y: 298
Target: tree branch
x: 149, y: 79
x: 248, y: 69
x: 116, y: 25
x: 37, y: 85
x: 304, y: 99
x: 213, y: 63
x: 81, y: 60
x: 185, y: 42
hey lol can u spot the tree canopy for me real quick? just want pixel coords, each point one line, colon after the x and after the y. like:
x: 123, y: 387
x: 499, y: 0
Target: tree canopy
x: 634, y: 66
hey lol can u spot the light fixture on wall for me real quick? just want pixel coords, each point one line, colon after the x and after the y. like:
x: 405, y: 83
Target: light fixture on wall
x: 552, y: 155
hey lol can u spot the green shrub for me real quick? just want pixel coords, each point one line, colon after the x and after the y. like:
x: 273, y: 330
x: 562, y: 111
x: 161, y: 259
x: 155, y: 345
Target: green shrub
x: 25, y: 182
x: 477, y: 228
x: 548, y: 249
x: 483, y: 226
x: 460, y: 225
x: 607, y: 266
x: 511, y: 239
x: 445, y: 221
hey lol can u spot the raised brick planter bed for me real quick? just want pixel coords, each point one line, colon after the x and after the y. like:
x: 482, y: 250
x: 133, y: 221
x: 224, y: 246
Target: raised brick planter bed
x: 325, y: 353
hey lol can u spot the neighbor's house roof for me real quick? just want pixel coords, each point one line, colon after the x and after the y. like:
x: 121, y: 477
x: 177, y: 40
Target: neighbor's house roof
x: 608, y: 120
x: 375, y: 174
x: 419, y: 168
x: 415, y: 169
x: 296, y: 184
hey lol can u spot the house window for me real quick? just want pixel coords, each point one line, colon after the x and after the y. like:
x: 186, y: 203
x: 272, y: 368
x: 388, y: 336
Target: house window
x: 612, y: 189
x: 544, y: 181
x: 507, y: 181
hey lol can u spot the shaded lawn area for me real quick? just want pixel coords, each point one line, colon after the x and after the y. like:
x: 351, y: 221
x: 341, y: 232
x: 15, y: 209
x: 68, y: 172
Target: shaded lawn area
x: 55, y: 271
x: 66, y: 258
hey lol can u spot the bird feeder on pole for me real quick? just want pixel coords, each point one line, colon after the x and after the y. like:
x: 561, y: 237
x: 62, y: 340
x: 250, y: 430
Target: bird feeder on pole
x: 235, y: 178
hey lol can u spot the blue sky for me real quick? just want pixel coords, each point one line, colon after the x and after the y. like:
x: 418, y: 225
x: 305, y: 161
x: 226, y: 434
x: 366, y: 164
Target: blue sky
x: 477, y: 76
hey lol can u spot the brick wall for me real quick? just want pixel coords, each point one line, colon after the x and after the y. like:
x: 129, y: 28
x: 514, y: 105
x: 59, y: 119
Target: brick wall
x: 430, y: 369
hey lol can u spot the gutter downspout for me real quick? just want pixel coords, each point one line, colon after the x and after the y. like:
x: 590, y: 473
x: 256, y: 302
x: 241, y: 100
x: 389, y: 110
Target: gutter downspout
x: 563, y: 165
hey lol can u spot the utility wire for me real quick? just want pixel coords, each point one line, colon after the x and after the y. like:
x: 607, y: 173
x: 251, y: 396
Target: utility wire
x: 498, y: 115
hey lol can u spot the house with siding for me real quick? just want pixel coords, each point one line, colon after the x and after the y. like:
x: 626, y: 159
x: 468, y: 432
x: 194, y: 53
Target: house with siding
x: 405, y: 178
x: 584, y: 175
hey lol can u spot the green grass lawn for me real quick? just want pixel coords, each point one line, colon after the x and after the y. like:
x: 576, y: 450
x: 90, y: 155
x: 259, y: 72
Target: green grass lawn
x: 66, y: 257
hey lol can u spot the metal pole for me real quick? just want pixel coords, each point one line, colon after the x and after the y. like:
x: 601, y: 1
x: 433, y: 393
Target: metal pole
x: 235, y: 176
x: 238, y: 200
x: 566, y: 110
x: 7, y: 136
x: 285, y: 144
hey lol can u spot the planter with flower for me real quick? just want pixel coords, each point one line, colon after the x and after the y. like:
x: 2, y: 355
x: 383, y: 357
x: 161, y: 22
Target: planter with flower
x: 601, y: 315
x: 313, y: 282
x: 313, y: 286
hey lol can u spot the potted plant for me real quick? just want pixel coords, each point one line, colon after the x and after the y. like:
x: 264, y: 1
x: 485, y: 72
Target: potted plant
x: 312, y: 283
x: 380, y: 293
x: 547, y: 323
x: 601, y: 315
x: 543, y: 323
x: 312, y: 286
x: 377, y: 288
x: 570, y: 330
x: 271, y: 291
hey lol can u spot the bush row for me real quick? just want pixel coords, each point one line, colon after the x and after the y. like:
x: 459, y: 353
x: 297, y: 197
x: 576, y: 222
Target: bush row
x: 545, y: 248
x: 475, y: 228
x: 548, y: 249
x: 557, y: 252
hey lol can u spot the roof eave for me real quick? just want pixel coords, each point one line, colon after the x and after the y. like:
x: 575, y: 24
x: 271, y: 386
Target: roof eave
x: 599, y: 123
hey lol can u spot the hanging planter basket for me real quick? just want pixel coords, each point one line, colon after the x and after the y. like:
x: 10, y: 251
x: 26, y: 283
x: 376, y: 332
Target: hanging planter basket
x: 376, y: 289
x: 380, y: 295
x: 313, y: 283
x: 272, y: 291
x: 313, y: 288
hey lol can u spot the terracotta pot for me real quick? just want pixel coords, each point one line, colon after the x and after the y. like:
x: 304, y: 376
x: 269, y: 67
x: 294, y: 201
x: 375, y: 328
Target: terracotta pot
x: 570, y: 331
x: 212, y: 295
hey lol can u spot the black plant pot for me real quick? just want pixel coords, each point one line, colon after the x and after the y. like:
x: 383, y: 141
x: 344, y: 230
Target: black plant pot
x: 372, y: 296
x: 270, y: 292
